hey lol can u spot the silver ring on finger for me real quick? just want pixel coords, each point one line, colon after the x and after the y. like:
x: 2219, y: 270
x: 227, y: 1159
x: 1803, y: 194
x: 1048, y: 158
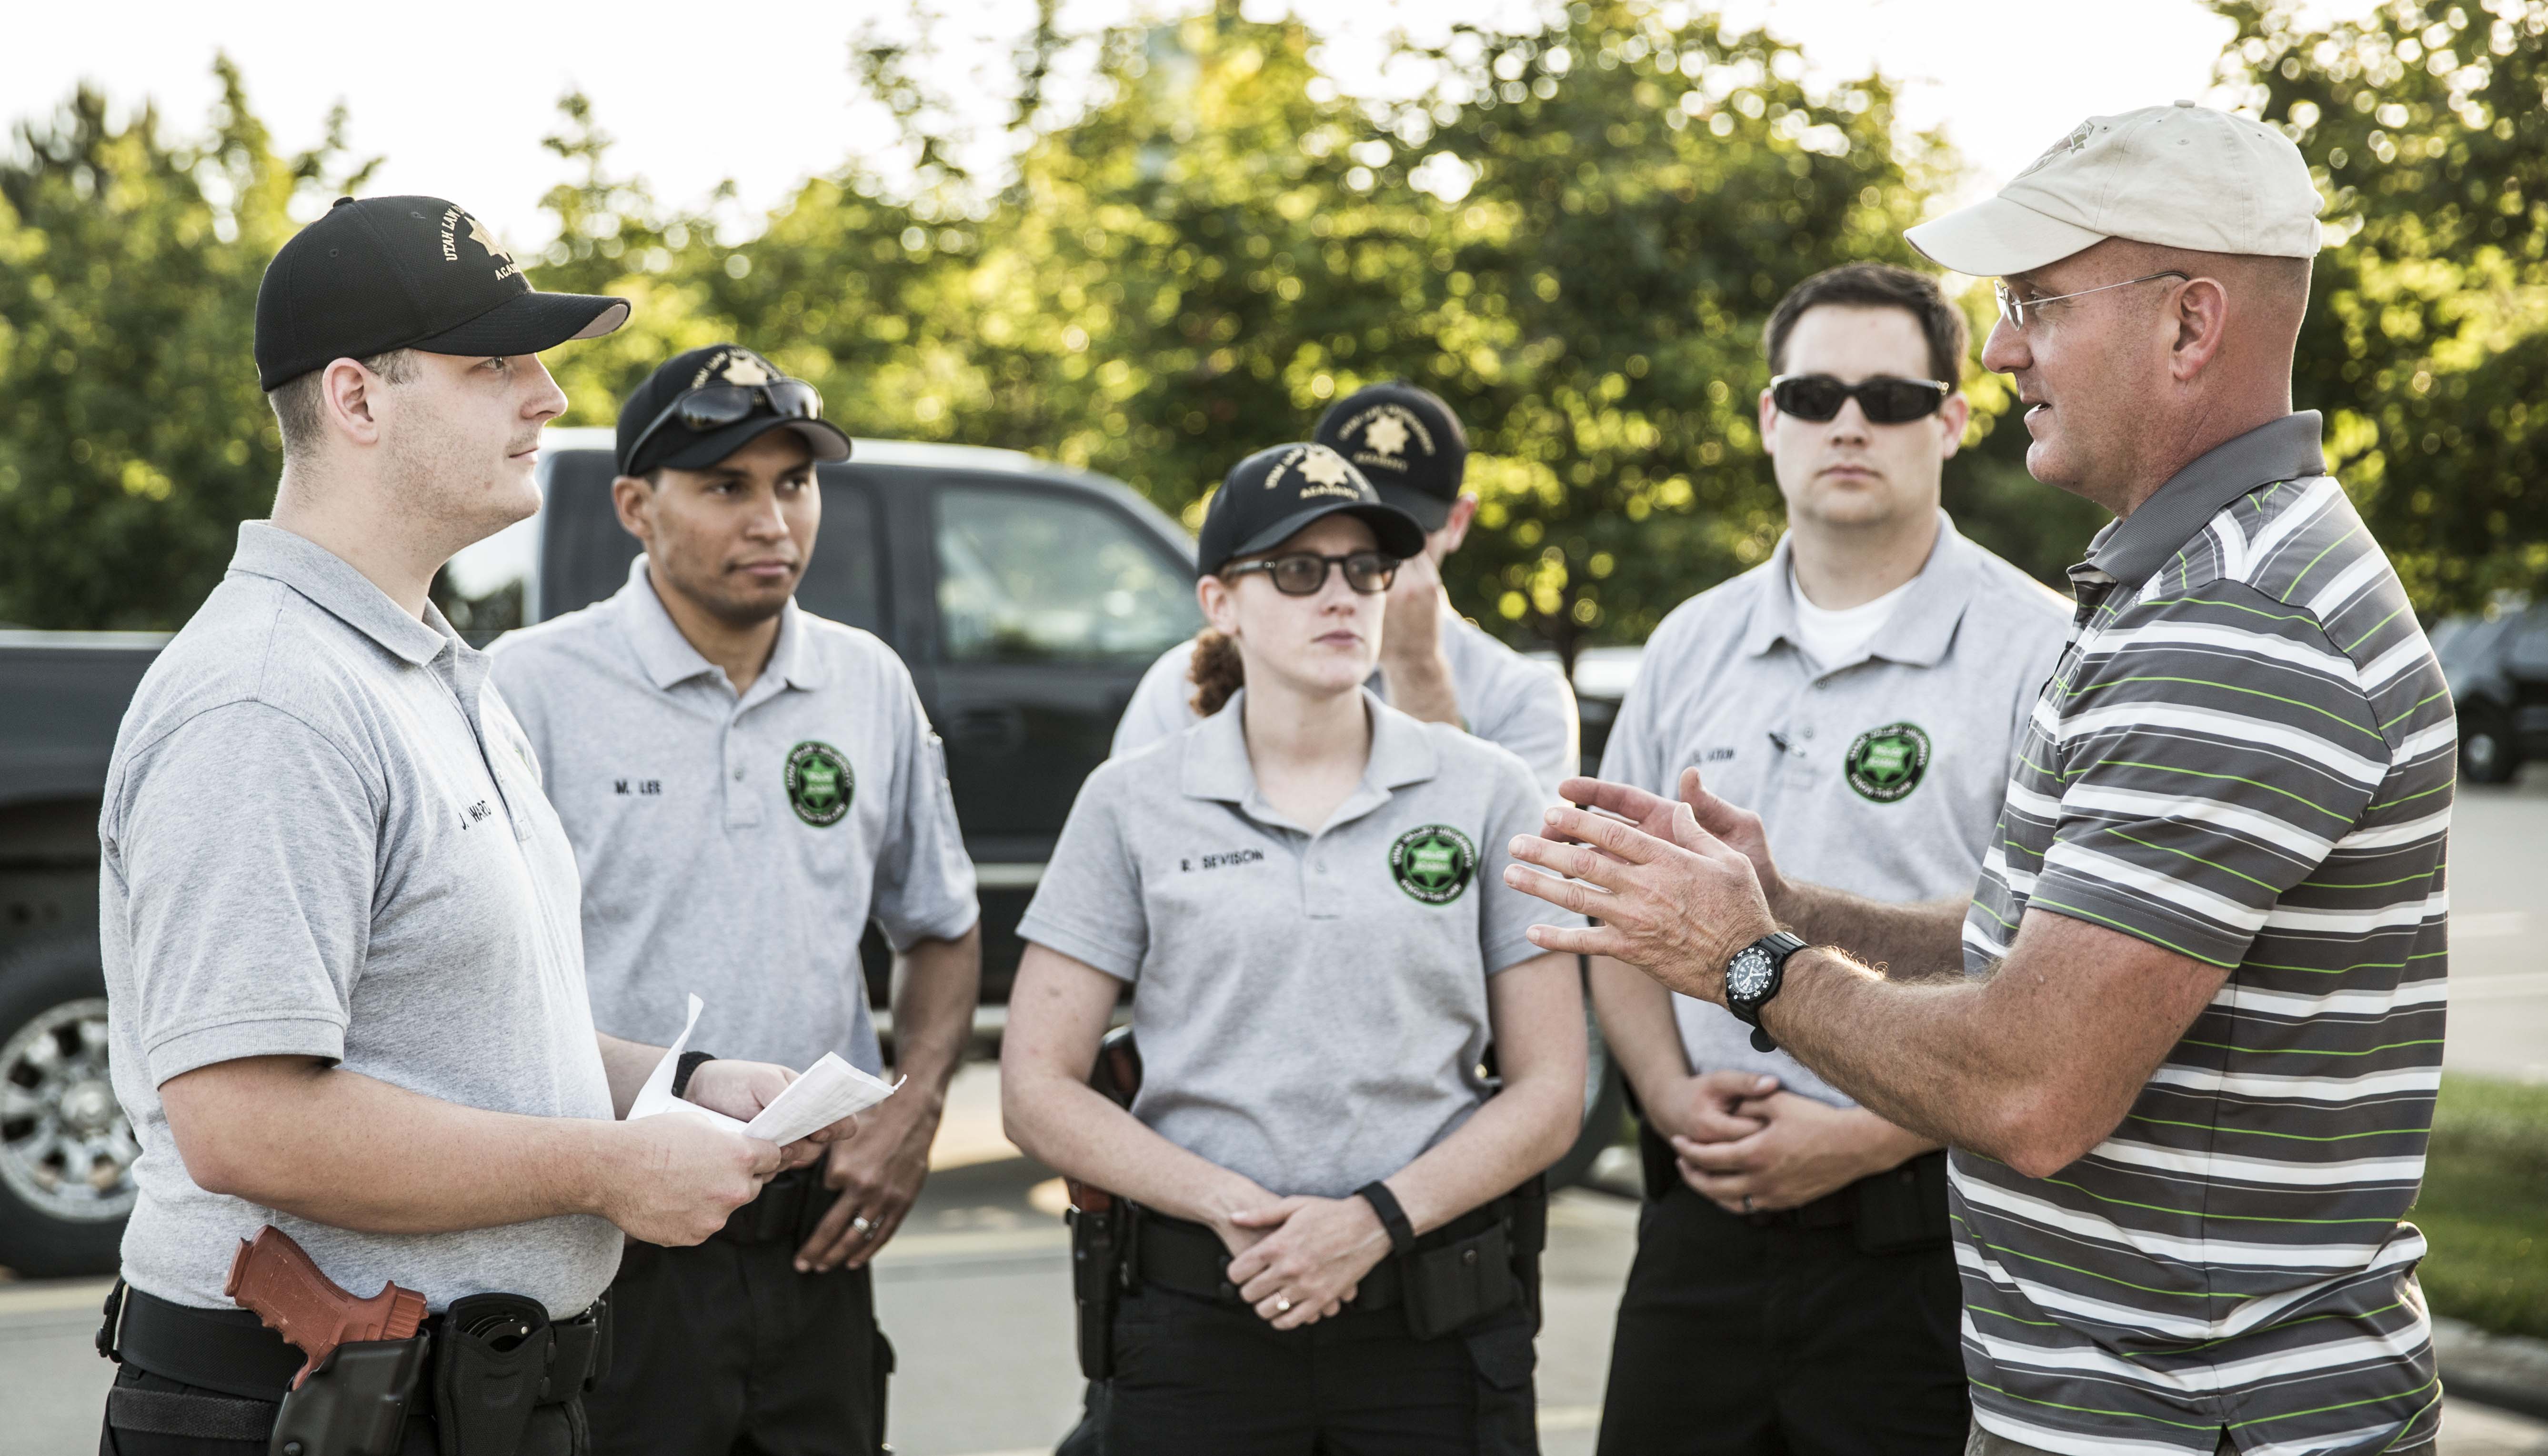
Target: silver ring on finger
x: 1281, y: 1305
x: 866, y: 1228
x: 1747, y: 1203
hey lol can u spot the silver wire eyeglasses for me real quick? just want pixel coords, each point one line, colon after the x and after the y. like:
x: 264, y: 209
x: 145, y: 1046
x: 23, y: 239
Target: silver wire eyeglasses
x: 2012, y: 308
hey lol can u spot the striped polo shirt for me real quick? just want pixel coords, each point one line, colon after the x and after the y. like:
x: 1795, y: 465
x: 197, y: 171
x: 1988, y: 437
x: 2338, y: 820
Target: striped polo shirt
x: 2245, y: 755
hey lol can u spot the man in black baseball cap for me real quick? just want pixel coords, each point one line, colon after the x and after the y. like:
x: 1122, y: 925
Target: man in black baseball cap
x: 794, y: 794
x: 1435, y: 665
x: 340, y: 993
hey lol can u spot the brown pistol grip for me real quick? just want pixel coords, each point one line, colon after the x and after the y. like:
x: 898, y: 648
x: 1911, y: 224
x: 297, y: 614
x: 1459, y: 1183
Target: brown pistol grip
x: 273, y: 1278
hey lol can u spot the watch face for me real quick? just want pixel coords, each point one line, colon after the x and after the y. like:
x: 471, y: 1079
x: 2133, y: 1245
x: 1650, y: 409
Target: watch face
x: 1749, y: 975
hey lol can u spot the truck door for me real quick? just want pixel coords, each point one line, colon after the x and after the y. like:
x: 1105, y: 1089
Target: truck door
x: 1051, y: 603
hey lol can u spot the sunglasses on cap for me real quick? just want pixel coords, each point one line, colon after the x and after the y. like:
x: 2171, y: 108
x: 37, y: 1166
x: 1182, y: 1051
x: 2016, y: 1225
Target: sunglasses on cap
x: 716, y: 406
x: 1884, y: 399
x: 1305, y: 572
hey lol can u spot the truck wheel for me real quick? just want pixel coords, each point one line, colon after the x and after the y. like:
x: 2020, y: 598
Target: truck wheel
x: 1604, y: 1101
x: 2489, y: 752
x: 66, y: 1148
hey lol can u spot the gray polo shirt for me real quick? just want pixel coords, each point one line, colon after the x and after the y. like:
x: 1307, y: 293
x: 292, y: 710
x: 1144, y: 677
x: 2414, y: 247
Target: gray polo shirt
x: 1881, y: 775
x: 1506, y: 699
x: 1310, y: 1003
x: 324, y: 836
x: 737, y: 847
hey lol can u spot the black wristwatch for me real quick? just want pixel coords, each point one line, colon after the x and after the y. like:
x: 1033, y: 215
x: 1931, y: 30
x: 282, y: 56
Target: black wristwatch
x: 1752, y: 976
x: 681, y: 1070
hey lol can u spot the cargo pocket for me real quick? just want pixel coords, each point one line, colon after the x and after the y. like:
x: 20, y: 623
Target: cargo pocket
x: 1508, y: 1421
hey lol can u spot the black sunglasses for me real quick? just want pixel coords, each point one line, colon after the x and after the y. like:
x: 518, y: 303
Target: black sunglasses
x: 1818, y: 398
x: 716, y: 406
x: 1305, y: 574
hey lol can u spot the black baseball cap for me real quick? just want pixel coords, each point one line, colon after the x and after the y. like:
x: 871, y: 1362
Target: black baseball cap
x: 383, y: 273
x: 1273, y: 494
x: 675, y: 443
x: 1406, y: 441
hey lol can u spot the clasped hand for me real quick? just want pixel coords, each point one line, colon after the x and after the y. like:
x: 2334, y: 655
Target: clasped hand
x: 1673, y: 895
x: 1299, y: 1260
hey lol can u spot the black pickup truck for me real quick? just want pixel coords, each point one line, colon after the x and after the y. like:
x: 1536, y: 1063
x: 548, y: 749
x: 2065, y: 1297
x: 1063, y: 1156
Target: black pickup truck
x: 1026, y: 597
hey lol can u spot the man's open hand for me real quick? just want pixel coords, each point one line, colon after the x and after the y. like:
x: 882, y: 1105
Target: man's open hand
x: 1672, y: 899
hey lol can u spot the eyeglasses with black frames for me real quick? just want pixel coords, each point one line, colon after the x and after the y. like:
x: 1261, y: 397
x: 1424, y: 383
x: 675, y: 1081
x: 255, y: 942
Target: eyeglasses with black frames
x: 1305, y: 572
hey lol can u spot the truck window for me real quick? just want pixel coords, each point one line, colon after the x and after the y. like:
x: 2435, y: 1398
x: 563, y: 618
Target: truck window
x: 1026, y: 576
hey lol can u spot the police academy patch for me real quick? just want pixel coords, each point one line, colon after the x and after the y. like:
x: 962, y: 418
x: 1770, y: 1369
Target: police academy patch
x: 1433, y: 863
x: 1885, y: 764
x: 820, y: 784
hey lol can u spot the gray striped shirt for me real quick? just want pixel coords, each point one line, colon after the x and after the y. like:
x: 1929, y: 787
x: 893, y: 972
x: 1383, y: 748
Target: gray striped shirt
x: 2247, y: 757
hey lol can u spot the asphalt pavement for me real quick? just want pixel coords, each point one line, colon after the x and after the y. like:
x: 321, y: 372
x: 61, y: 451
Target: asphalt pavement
x: 975, y: 1291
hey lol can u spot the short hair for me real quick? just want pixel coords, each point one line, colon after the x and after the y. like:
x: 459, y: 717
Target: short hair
x: 1876, y: 286
x: 296, y: 410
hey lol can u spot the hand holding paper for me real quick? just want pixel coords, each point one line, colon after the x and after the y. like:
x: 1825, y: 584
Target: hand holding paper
x: 826, y: 1092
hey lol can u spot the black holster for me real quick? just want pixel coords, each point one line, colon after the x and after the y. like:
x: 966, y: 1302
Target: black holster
x: 1473, y: 1274
x: 1100, y: 1242
x: 354, y: 1404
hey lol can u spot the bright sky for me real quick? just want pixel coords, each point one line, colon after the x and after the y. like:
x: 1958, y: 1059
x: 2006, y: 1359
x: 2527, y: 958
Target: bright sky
x: 458, y: 99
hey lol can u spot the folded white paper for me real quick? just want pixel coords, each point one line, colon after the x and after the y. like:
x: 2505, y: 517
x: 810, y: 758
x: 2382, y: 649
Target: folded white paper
x: 828, y: 1091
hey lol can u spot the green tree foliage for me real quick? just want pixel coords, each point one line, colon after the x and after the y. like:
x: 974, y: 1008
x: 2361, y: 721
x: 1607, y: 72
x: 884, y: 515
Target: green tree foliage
x: 132, y: 438
x: 2427, y: 340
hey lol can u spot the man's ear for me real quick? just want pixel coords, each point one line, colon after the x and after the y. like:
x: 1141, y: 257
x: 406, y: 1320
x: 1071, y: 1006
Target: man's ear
x: 634, y: 501
x: 1769, y: 424
x: 1951, y: 425
x: 2201, y: 319
x: 347, y: 404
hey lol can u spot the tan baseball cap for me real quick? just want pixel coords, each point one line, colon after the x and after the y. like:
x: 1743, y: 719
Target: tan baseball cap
x: 2179, y: 176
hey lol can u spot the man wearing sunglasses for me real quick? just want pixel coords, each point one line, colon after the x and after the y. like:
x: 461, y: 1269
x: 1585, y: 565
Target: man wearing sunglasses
x: 746, y: 784
x: 1435, y: 665
x: 2185, y: 1037
x: 1861, y: 689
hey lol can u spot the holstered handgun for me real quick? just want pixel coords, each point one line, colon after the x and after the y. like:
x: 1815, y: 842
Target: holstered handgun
x: 1101, y: 1224
x: 364, y: 1354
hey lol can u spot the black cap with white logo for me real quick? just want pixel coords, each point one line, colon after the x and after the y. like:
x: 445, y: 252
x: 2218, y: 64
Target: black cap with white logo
x: 1407, y: 441
x: 383, y: 273
x: 1273, y: 495
x: 663, y: 424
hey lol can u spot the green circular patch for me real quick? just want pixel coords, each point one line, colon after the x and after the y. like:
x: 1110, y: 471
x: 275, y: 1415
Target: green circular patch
x: 820, y: 783
x: 1433, y: 863
x: 1885, y: 764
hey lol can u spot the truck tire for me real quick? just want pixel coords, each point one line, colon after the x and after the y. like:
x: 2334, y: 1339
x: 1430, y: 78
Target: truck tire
x: 1605, y: 1104
x: 66, y: 1148
x: 2490, y: 753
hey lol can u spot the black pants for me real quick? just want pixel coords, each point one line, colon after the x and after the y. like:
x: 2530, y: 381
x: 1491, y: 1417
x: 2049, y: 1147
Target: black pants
x: 553, y: 1430
x: 725, y: 1348
x: 1193, y: 1375
x: 1736, y: 1340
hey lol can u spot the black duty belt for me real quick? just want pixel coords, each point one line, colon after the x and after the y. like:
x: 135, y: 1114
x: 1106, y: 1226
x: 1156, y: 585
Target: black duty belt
x: 1190, y: 1259
x: 229, y: 1351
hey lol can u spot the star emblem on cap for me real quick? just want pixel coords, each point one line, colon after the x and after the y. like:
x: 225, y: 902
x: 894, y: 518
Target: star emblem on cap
x: 1386, y: 436
x: 1323, y: 467
x: 743, y: 369
x: 486, y: 239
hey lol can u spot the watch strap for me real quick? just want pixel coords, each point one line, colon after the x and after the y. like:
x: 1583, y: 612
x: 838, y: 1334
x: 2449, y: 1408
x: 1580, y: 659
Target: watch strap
x: 1778, y: 945
x: 681, y: 1070
x: 1401, y: 1233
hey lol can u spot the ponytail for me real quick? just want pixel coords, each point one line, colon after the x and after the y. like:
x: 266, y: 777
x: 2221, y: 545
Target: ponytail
x: 1217, y: 671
